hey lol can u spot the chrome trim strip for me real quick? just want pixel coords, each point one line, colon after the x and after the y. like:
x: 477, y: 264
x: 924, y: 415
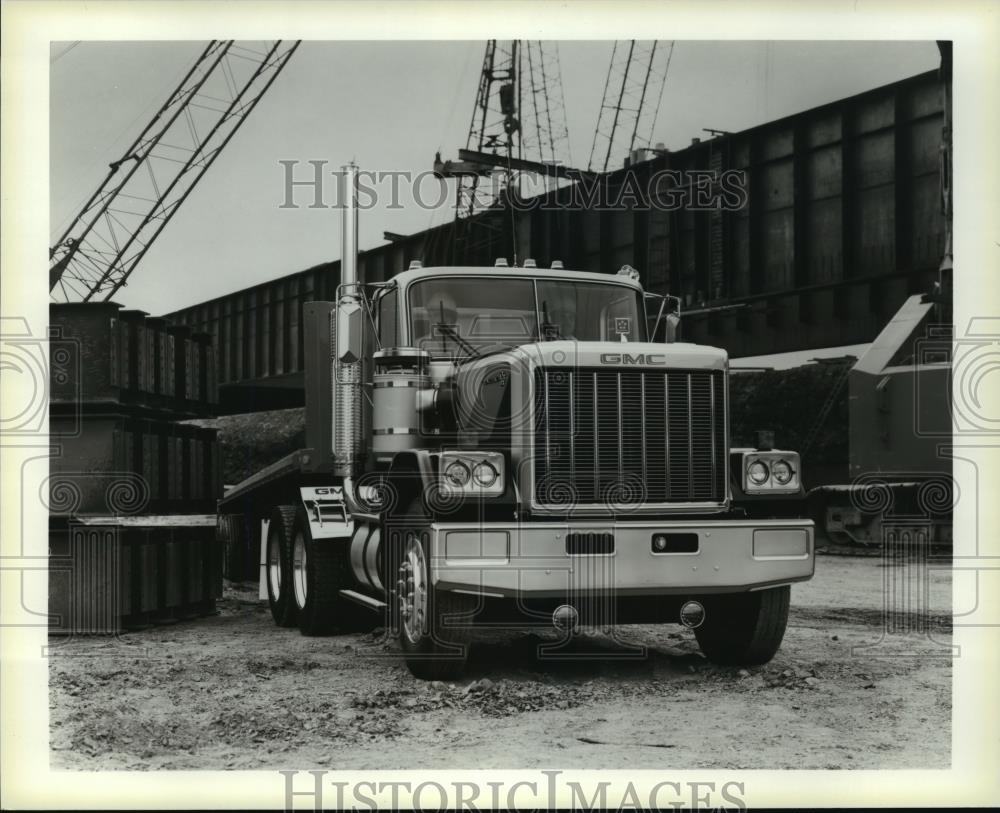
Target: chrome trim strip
x: 642, y: 424
x: 711, y: 390
x: 481, y: 593
x: 690, y: 428
x: 597, y: 446
x: 548, y: 434
x: 365, y: 601
x: 726, y: 442
x: 618, y: 379
x: 401, y: 352
x: 572, y: 425
x: 652, y: 524
x: 668, y: 479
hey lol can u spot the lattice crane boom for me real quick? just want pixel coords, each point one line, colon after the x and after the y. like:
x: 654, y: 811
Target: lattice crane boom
x: 519, y: 118
x: 631, y: 101
x: 103, y: 244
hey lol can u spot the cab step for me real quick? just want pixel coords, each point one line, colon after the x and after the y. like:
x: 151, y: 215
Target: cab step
x: 370, y: 602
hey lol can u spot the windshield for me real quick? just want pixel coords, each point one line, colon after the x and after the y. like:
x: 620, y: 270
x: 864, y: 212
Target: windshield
x: 465, y: 316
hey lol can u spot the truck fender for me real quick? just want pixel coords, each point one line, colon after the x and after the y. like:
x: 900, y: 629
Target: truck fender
x: 411, y: 473
x: 327, y: 512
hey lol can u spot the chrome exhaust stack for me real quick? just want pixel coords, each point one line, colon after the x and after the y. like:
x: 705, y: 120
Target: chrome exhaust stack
x: 347, y: 333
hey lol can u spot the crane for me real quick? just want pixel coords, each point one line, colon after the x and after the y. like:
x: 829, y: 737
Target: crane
x: 518, y: 123
x: 510, y: 132
x: 105, y: 241
x: 631, y: 101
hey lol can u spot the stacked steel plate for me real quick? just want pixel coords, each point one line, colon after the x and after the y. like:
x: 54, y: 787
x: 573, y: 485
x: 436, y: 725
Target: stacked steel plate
x: 131, y: 490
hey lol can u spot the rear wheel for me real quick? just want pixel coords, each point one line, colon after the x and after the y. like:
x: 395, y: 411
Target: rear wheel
x: 279, y: 566
x: 319, y: 573
x: 230, y: 534
x: 426, y: 619
x: 744, y: 629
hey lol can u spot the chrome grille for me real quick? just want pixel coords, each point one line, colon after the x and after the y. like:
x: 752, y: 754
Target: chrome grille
x: 629, y: 437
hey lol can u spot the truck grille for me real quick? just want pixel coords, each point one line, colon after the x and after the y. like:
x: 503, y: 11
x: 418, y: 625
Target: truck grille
x: 629, y: 437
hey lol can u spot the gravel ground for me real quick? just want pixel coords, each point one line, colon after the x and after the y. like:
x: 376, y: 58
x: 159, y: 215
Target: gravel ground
x: 234, y: 691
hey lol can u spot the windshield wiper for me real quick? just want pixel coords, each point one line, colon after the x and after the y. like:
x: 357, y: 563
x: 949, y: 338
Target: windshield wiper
x: 452, y: 331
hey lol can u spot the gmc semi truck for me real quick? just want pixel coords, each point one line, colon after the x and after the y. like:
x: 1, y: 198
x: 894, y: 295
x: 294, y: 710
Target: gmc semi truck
x: 509, y: 445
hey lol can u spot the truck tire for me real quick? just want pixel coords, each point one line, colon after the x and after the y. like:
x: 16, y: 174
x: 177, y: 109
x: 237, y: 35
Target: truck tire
x: 231, y: 535
x: 279, y: 566
x: 744, y: 629
x: 432, y: 650
x: 319, y: 573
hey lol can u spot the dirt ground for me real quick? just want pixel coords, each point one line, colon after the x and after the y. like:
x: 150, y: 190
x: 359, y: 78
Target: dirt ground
x: 234, y: 691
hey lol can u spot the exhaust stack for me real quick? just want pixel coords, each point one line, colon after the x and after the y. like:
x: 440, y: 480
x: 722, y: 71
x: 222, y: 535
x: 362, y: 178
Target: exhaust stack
x: 347, y: 328
x: 349, y: 228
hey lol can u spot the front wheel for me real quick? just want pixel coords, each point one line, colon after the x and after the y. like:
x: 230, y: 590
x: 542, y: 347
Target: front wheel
x: 744, y: 629
x: 429, y: 622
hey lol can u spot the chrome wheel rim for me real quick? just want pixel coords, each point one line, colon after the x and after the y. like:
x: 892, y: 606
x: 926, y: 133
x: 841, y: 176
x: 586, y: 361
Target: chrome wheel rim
x: 412, y: 586
x: 299, y: 569
x: 274, y: 565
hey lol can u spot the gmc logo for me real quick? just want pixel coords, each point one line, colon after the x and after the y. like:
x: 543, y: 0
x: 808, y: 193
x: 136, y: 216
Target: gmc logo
x: 628, y: 358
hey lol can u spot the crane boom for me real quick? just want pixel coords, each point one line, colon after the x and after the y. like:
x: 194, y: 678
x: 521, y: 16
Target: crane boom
x: 631, y: 102
x: 143, y: 190
x: 519, y: 119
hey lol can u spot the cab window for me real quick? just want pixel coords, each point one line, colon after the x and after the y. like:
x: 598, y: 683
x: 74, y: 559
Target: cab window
x: 388, y: 323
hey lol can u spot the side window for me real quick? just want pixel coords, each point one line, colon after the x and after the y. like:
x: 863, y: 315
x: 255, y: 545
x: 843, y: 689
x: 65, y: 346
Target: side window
x: 619, y: 318
x: 388, y: 323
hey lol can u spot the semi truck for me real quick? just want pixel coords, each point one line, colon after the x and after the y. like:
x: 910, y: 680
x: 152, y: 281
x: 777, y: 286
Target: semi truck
x: 513, y: 444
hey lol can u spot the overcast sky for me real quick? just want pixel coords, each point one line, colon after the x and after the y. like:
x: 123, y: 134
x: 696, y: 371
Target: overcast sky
x: 388, y: 106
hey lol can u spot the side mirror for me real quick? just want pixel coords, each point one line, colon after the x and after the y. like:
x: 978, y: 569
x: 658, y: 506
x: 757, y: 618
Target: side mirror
x: 673, y: 327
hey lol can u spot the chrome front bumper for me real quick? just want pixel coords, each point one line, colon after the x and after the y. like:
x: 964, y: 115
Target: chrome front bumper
x: 530, y: 560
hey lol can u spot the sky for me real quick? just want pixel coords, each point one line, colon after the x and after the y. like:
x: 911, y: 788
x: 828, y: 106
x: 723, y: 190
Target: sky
x: 388, y: 106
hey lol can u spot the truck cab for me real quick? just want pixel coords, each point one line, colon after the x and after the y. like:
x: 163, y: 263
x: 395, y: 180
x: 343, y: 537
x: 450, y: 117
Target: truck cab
x: 508, y: 445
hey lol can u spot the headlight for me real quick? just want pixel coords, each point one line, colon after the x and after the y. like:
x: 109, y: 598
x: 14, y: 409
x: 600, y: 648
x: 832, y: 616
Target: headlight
x: 473, y: 473
x: 758, y: 472
x: 457, y: 474
x: 484, y: 475
x: 771, y: 472
x: 781, y: 471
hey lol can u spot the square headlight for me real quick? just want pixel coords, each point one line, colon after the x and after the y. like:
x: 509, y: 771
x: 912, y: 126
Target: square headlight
x: 472, y: 473
x: 772, y: 472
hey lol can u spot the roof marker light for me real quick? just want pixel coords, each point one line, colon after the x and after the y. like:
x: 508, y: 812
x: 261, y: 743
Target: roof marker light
x: 530, y: 263
x: 501, y: 262
x: 415, y: 264
x: 557, y: 265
